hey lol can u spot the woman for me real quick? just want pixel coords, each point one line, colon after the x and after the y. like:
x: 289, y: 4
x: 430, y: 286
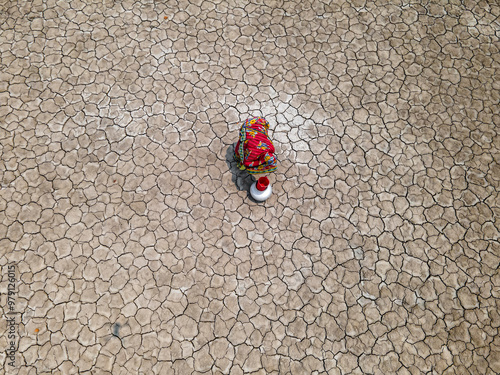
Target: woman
x: 254, y: 150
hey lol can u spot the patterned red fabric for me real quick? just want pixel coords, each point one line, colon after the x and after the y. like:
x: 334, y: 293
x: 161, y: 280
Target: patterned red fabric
x: 254, y: 150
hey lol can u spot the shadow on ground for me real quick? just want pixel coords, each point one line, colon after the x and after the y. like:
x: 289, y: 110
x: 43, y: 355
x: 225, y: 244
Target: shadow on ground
x: 241, y: 179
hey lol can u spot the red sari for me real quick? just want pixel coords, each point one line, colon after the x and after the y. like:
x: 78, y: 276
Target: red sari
x: 254, y: 150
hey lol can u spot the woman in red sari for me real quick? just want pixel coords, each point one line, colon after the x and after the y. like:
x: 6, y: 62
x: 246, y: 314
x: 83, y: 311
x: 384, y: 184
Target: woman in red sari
x: 254, y: 150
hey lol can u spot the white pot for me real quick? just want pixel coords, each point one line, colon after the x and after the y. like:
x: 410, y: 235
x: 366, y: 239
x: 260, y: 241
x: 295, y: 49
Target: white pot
x: 260, y: 195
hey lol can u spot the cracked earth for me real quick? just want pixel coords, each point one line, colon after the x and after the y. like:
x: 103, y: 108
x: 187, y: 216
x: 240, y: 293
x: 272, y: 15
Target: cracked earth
x: 137, y: 248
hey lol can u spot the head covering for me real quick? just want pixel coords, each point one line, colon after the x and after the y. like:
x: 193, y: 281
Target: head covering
x: 254, y: 150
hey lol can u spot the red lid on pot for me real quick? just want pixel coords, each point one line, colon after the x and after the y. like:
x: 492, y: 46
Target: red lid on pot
x: 262, y: 183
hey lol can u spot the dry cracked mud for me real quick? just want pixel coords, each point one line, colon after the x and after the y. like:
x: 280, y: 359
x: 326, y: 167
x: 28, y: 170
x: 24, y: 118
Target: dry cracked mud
x: 136, y: 247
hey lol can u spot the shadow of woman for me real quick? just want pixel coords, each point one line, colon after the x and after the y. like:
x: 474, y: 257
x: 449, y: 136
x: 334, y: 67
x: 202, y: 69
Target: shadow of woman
x: 242, y: 179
